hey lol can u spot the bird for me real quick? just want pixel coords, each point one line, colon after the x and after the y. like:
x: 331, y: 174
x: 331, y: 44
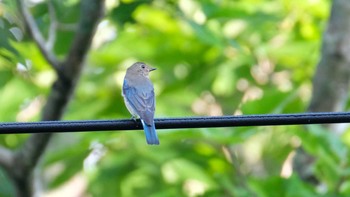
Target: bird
x: 138, y: 94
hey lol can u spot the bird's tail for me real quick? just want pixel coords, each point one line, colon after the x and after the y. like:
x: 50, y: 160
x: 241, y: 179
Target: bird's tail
x: 151, y: 134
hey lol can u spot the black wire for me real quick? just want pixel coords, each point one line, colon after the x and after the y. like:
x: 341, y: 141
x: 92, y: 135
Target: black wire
x: 176, y: 123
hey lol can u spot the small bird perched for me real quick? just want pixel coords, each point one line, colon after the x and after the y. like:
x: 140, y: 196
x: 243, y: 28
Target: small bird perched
x: 139, y: 98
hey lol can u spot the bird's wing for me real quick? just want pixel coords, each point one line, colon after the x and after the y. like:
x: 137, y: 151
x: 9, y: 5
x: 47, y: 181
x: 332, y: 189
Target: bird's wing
x: 142, y: 101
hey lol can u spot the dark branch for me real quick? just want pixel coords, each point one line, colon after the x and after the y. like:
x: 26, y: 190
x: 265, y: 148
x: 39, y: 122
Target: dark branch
x: 176, y: 123
x: 83, y: 37
x: 331, y: 80
x: 26, y: 158
x: 332, y: 77
x: 24, y: 161
x: 65, y: 84
x: 91, y: 12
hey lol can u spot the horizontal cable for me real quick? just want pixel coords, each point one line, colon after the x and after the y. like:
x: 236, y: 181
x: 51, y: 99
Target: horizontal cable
x: 176, y: 123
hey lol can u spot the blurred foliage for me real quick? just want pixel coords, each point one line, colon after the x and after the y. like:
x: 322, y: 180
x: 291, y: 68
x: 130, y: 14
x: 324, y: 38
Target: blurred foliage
x: 213, y: 58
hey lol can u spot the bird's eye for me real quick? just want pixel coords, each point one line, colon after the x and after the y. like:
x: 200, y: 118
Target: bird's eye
x: 143, y: 66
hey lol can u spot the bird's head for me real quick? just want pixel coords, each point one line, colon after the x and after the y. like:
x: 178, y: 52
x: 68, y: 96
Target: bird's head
x: 140, y: 68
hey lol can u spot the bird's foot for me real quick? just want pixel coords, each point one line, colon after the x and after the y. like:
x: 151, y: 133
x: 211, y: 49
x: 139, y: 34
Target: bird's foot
x: 133, y: 118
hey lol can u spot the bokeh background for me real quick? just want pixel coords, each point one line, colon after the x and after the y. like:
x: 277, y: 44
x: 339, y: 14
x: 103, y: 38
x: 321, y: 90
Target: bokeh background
x: 213, y: 58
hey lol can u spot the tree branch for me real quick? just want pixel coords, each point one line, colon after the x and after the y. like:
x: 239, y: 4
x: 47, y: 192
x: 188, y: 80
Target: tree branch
x: 332, y: 77
x: 331, y: 80
x: 37, y: 36
x: 22, y: 162
x: 91, y: 12
x: 84, y: 35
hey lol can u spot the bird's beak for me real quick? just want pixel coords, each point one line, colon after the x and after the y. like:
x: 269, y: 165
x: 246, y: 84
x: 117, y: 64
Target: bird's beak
x: 152, y: 69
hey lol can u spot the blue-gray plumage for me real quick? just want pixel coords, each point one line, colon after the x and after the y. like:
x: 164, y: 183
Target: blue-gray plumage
x: 139, y: 98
